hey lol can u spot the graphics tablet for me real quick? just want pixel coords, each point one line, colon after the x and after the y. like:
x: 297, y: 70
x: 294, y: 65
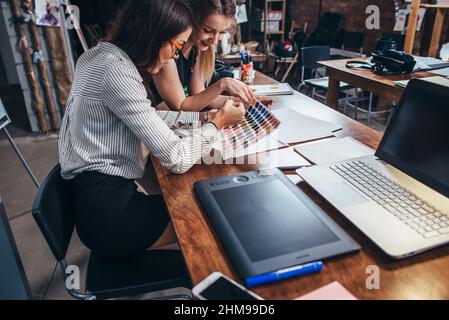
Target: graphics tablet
x: 267, y: 223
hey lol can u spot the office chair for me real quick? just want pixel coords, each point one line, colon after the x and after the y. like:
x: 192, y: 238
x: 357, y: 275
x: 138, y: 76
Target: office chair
x: 310, y: 57
x: 107, y: 277
x: 309, y: 61
x: 354, y: 41
x: 295, y: 33
x: 326, y: 34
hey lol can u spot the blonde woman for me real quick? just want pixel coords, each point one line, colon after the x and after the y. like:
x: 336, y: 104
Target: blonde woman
x: 182, y: 83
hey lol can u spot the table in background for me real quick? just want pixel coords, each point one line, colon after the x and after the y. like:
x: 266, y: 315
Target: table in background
x: 366, y: 80
x: 425, y: 276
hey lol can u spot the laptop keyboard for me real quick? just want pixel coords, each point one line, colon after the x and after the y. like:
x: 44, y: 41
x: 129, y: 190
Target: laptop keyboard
x: 406, y: 206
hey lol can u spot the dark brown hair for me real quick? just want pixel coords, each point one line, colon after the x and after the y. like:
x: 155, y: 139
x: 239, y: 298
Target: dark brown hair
x: 143, y: 27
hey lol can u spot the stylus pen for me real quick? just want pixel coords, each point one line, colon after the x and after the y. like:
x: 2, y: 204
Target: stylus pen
x: 284, y: 274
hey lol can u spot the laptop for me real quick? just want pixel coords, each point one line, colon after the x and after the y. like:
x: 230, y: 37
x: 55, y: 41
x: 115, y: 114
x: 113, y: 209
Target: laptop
x: 399, y: 196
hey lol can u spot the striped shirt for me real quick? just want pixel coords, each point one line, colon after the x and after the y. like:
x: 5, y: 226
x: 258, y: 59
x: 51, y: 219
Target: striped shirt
x: 108, y: 116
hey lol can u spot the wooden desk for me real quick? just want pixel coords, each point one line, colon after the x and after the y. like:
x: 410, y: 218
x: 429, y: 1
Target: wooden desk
x: 423, y: 277
x: 383, y: 86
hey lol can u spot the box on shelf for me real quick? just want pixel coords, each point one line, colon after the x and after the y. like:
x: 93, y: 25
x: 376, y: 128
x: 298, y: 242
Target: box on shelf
x: 272, y: 26
x: 273, y: 15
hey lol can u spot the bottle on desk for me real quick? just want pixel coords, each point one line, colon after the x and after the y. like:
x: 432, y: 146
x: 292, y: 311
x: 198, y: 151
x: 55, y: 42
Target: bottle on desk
x: 247, y: 73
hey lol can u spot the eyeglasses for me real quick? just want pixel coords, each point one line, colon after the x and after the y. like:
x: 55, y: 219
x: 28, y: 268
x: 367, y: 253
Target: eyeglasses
x: 178, y: 47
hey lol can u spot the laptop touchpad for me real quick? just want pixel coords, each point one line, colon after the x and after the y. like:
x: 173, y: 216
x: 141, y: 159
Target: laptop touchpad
x: 342, y: 194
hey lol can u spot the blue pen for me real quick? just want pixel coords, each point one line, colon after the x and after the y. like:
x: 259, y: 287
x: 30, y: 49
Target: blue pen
x: 284, y: 274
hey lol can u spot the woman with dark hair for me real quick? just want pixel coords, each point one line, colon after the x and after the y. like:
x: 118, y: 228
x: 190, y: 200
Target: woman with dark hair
x: 108, y: 116
x: 182, y: 83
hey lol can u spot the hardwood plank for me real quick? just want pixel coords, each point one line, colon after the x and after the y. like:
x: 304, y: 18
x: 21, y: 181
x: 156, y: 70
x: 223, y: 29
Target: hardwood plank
x: 436, y: 33
x: 333, y: 92
x: 411, y: 27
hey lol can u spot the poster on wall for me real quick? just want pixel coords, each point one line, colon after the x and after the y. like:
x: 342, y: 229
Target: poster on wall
x: 241, y: 15
x: 402, y: 19
x: 47, y: 13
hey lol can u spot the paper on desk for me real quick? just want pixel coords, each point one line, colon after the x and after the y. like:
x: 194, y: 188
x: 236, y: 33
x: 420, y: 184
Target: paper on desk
x: 332, y: 291
x: 334, y: 150
x: 428, y: 63
x: 285, y: 158
x: 294, y: 178
x: 437, y: 80
x: 264, y: 144
x: 402, y: 83
x: 276, y: 89
x: 441, y: 80
x: 442, y: 72
x: 297, y: 127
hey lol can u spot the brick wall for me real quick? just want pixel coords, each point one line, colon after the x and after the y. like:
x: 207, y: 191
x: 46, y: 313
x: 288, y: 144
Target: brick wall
x: 355, y: 17
x: 354, y: 12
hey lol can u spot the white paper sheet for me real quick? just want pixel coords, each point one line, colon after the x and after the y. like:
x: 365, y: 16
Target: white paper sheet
x: 264, y: 144
x: 295, y: 178
x: 428, y: 63
x: 286, y: 158
x: 272, y: 89
x: 334, y: 150
x: 442, y: 72
x: 297, y: 127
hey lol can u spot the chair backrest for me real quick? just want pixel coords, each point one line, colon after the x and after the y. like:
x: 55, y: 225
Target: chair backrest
x: 328, y: 31
x: 311, y: 55
x: 13, y: 282
x: 295, y: 27
x: 353, y: 40
x: 54, y: 212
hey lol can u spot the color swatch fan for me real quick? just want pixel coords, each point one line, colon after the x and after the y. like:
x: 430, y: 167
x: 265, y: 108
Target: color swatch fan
x: 259, y: 123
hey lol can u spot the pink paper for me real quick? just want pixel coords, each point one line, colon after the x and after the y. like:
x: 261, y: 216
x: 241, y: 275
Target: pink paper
x: 332, y: 291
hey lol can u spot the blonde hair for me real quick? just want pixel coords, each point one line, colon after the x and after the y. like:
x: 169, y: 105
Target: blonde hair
x: 206, y: 61
x: 204, y: 8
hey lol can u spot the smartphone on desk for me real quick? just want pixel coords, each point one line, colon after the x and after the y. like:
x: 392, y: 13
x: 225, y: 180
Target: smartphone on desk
x: 219, y: 287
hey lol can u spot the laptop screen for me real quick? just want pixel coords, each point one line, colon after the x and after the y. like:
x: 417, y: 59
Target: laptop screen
x: 417, y: 138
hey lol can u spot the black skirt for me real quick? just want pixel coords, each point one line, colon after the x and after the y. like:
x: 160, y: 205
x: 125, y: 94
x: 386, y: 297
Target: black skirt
x: 113, y: 218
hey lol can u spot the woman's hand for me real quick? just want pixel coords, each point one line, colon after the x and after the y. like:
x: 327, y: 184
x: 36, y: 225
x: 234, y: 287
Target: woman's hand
x: 265, y: 100
x: 231, y: 113
x: 237, y: 89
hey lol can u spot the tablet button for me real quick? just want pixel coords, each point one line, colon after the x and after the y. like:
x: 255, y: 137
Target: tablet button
x: 241, y: 179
